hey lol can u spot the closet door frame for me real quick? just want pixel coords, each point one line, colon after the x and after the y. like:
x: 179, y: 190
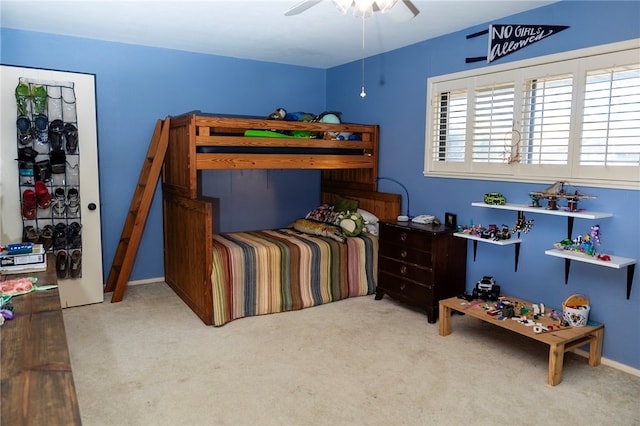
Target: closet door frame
x: 89, y: 288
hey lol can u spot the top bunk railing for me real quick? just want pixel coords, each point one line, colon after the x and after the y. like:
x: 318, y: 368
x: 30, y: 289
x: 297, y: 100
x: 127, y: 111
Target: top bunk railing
x: 205, y: 142
x: 251, y: 133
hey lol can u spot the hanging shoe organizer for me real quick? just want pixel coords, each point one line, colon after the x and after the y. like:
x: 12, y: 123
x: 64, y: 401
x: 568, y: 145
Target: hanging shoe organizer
x: 48, y: 167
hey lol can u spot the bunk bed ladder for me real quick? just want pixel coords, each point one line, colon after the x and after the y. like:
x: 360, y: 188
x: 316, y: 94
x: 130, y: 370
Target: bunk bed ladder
x: 137, y: 216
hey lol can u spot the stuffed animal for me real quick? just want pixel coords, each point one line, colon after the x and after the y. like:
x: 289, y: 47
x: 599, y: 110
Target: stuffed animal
x: 351, y: 223
x: 278, y: 114
x: 329, y: 117
x: 312, y: 227
x: 300, y: 116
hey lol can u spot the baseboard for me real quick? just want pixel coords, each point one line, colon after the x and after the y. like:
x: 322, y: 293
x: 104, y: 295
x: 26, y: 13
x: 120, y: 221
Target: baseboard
x: 147, y: 281
x: 611, y: 363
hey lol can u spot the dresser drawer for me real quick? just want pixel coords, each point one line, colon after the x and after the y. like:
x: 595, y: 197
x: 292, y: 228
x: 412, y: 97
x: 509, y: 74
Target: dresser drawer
x: 405, y: 270
x: 409, y: 292
x: 406, y: 254
x: 420, y: 264
x: 405, y: 237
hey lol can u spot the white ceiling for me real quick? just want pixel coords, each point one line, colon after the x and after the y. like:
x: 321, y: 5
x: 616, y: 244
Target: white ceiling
x: 320, y: 37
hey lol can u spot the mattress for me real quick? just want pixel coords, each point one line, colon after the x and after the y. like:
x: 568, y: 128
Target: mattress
x: 264, y: 272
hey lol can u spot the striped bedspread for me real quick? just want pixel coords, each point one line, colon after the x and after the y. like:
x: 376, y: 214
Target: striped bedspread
x: 263, y: 272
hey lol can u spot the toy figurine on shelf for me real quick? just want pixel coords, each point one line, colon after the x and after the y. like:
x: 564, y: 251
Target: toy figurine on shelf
x: 490, y: 231
x: 588, y: 247
x: 503, y: 234
x: 475, y: 230
x: 590, y: 241
x: 556, y: 192
x: 522, y: 225
x: 584, y: 244
x: 535, y: 200
x: 595, y: 234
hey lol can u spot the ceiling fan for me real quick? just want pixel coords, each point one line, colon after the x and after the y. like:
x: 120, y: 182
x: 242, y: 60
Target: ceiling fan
x: 361, y: 7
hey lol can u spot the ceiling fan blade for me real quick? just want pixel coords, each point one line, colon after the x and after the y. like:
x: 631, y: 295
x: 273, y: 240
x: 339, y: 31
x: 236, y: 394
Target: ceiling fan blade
x: 301, y: 7
x: 404, y: 13
x: 412, y: 7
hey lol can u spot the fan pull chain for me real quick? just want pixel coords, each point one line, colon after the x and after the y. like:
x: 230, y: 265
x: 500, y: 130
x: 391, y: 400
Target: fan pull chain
x: 363, y: 93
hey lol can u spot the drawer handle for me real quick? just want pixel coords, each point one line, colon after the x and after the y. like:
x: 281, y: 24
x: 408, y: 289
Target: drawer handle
x: 403, y: 269
x: 403, y: 254
x: 403, y: 236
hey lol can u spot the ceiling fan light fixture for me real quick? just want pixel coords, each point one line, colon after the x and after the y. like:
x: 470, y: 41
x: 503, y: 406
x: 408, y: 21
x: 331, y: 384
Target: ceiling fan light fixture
x: 363, y: 8
x: 385, y: 5
x: 343, y: 5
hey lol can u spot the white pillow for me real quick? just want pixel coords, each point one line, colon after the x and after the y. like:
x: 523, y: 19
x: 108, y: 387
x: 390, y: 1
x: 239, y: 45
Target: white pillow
x: 372, y: 229
x: 369, y: 218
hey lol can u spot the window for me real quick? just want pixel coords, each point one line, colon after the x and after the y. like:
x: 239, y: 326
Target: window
x: 611, y: 118
x: 492, y: 122
x: 573, y: 116
x: 547, y: 120
x: 451, y: 119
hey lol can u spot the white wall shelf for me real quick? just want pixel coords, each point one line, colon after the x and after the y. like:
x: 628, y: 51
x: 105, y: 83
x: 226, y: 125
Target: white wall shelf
x: 488, y: 240
x: 570, y: 215
x: 583, y: 214
x: 475, y: 240
x: 616, y: 262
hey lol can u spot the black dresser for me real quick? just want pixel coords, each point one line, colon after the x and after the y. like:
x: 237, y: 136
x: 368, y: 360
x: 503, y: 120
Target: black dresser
x: 420, y: 264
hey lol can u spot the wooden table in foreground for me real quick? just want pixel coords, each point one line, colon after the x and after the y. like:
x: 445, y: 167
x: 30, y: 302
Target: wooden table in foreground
x: 37, y: 383
x: 559, y: 341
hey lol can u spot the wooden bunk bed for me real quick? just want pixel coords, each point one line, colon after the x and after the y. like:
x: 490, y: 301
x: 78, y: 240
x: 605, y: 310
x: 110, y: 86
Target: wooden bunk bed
x: 207, y: 142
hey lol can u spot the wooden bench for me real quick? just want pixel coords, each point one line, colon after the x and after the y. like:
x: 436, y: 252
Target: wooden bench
x: 37, y: 383
x: 559, y: 341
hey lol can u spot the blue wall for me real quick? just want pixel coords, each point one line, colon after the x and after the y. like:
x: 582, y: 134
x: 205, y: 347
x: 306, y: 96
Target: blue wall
x: 137, y: 85
x: 396, y: 84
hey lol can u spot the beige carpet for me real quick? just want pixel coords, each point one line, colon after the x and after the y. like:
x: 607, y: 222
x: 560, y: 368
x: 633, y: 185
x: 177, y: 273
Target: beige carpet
x: 148, y: 360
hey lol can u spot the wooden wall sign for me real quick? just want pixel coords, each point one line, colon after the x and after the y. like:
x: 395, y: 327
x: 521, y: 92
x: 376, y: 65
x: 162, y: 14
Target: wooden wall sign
x: 505, y: 39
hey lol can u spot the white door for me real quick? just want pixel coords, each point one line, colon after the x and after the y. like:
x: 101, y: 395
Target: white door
x: 66, y: 160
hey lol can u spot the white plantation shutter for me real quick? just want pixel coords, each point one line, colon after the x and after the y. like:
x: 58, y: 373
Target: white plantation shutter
x: 546, y: 120
x: 611, y: 118
x: 450, y: 126
x: 492, y: 123
x: 573, y: 116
